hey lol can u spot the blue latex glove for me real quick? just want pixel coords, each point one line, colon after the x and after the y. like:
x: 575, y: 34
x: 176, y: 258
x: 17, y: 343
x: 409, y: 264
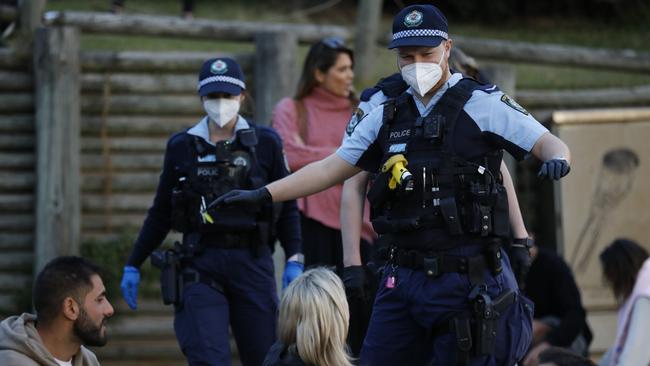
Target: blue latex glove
x: 129, y: 286
x: 291, y: 270
x: 554, y: 169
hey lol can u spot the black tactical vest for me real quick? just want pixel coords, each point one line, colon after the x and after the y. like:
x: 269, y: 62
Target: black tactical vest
x: 234, y: 167
x: 453, y: 199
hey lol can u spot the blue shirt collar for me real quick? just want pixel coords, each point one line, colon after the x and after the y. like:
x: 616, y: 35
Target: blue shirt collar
x: 424, y: 110
x: 201, y: 129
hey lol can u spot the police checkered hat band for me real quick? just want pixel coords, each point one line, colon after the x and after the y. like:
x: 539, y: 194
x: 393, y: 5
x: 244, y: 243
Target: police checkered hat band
x: 223, y: 79
x: 420, y: 33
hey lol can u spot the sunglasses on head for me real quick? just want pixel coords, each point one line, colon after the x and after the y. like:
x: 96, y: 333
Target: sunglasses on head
x: 333, y: 42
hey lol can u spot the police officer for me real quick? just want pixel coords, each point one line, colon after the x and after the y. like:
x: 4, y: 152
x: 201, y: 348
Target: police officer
x: 447, y: 295
x: 359, y: 274
x: 226, y: 270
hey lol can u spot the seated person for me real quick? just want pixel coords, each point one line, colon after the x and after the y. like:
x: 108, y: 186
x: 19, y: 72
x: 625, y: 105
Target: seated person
x: 626, y: 268
x: 560, y: 319
x: 313, y: 322
x: 71, y: 312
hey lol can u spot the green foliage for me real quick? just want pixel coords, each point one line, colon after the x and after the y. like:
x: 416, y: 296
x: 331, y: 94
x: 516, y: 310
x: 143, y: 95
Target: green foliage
x: 111, y: 255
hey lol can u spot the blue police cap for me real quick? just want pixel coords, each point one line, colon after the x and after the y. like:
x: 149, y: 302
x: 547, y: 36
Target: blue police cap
x: 221, y: 75
x: 419, y: 25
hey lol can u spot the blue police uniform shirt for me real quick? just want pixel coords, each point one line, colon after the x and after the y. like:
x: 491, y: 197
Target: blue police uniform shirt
x: 497, y: 120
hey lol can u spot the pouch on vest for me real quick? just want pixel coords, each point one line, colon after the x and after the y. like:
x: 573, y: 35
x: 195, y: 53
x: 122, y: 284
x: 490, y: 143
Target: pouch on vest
x: 449, y: 212
x: 501, y: 223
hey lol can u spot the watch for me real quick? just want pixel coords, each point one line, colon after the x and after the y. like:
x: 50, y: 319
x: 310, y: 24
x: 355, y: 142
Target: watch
x: 523, y: 242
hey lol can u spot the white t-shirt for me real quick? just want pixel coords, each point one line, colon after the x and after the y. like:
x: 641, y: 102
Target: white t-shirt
x: 63, y: 363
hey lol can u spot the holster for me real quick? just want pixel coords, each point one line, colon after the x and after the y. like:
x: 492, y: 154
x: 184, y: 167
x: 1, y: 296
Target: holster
x: 485, y: 325
x: 168, y: 261
x: 485, y: 314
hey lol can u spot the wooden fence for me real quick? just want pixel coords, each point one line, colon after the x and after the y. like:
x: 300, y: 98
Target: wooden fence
x: 17, y: 179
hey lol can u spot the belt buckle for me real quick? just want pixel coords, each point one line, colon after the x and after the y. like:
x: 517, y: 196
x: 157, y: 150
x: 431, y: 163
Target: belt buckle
x: 430, y: 265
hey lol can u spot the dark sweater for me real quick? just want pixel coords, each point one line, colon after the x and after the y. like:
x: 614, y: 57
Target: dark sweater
x: 551, y: 286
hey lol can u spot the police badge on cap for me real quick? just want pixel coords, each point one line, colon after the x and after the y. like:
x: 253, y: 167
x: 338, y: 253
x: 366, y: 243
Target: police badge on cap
x: 219, y: 67
x: 413, y: 19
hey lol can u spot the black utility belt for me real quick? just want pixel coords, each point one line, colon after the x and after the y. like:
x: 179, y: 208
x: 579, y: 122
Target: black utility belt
x: 229, y: 240
x: 435, y: 264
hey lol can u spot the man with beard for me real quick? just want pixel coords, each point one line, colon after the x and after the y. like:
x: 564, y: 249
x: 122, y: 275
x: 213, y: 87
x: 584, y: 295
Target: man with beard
x: 71, y: 312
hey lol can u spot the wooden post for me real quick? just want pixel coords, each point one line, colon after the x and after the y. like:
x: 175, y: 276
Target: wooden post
x: 29, y: 18
x: 56, y: 70
x: 505, y: 77
x: 365, y: 40
x: 275, y: 67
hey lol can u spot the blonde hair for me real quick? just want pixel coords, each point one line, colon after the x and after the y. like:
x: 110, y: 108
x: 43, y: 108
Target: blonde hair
x: 314, y: 318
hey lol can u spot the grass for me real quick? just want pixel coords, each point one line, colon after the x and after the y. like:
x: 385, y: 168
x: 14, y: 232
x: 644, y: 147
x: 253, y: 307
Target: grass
x: 561, y: 31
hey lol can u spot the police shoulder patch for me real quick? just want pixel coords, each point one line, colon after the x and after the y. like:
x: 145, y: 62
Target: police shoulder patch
x: 354, y: 121
x: 505, y: 98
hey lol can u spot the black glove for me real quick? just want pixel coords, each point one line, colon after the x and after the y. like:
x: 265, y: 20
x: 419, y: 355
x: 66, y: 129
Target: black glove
x: 354, y: 280
x: 519, y: 253
x: 256, y: 197
x: 554, y: 169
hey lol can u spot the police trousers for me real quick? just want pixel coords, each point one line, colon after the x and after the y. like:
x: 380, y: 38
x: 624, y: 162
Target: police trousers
x: 248, y: 302
x: 405, y: 318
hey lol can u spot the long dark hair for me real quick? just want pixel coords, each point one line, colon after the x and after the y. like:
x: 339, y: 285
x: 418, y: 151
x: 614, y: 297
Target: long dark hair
x: 322, y: 55
x: 621, y: 263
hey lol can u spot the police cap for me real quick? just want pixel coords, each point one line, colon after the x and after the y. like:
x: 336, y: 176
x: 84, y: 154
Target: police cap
x: 221, y: 75
x: 419, y: 25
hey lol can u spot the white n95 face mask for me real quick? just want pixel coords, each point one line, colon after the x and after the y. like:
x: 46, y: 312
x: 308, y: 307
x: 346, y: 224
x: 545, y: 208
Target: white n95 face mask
x: 222, y: 110
x: 422, y: 76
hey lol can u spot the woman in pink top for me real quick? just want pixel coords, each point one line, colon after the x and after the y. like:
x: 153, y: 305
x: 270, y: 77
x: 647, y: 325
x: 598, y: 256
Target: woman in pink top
x: 312, y: 124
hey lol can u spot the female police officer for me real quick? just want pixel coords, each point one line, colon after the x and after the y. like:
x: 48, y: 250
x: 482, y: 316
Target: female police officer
x: 226, y: 266
x: 448, y: 295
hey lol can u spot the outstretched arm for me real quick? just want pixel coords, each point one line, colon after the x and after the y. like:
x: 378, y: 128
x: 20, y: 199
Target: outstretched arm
x: 313, y: 178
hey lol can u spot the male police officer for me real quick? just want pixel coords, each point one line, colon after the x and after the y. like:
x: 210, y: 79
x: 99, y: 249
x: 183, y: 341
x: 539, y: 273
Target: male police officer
x: 447, y: 295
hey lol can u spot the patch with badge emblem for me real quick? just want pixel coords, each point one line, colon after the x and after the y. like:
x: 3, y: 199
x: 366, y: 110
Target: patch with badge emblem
x: 505, y: 98
x: 219, y: 67
x: 413, y: 19
x: 354, y: 121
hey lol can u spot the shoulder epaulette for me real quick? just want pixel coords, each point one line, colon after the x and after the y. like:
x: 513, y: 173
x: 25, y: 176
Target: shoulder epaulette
x: 393, y: 85
x: 367, y: 93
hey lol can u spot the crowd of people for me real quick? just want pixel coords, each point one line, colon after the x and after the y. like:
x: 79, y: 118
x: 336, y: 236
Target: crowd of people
x: 434, y: 268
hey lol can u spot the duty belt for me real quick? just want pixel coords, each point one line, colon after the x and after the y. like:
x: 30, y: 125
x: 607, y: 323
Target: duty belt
x: 435, y: 264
